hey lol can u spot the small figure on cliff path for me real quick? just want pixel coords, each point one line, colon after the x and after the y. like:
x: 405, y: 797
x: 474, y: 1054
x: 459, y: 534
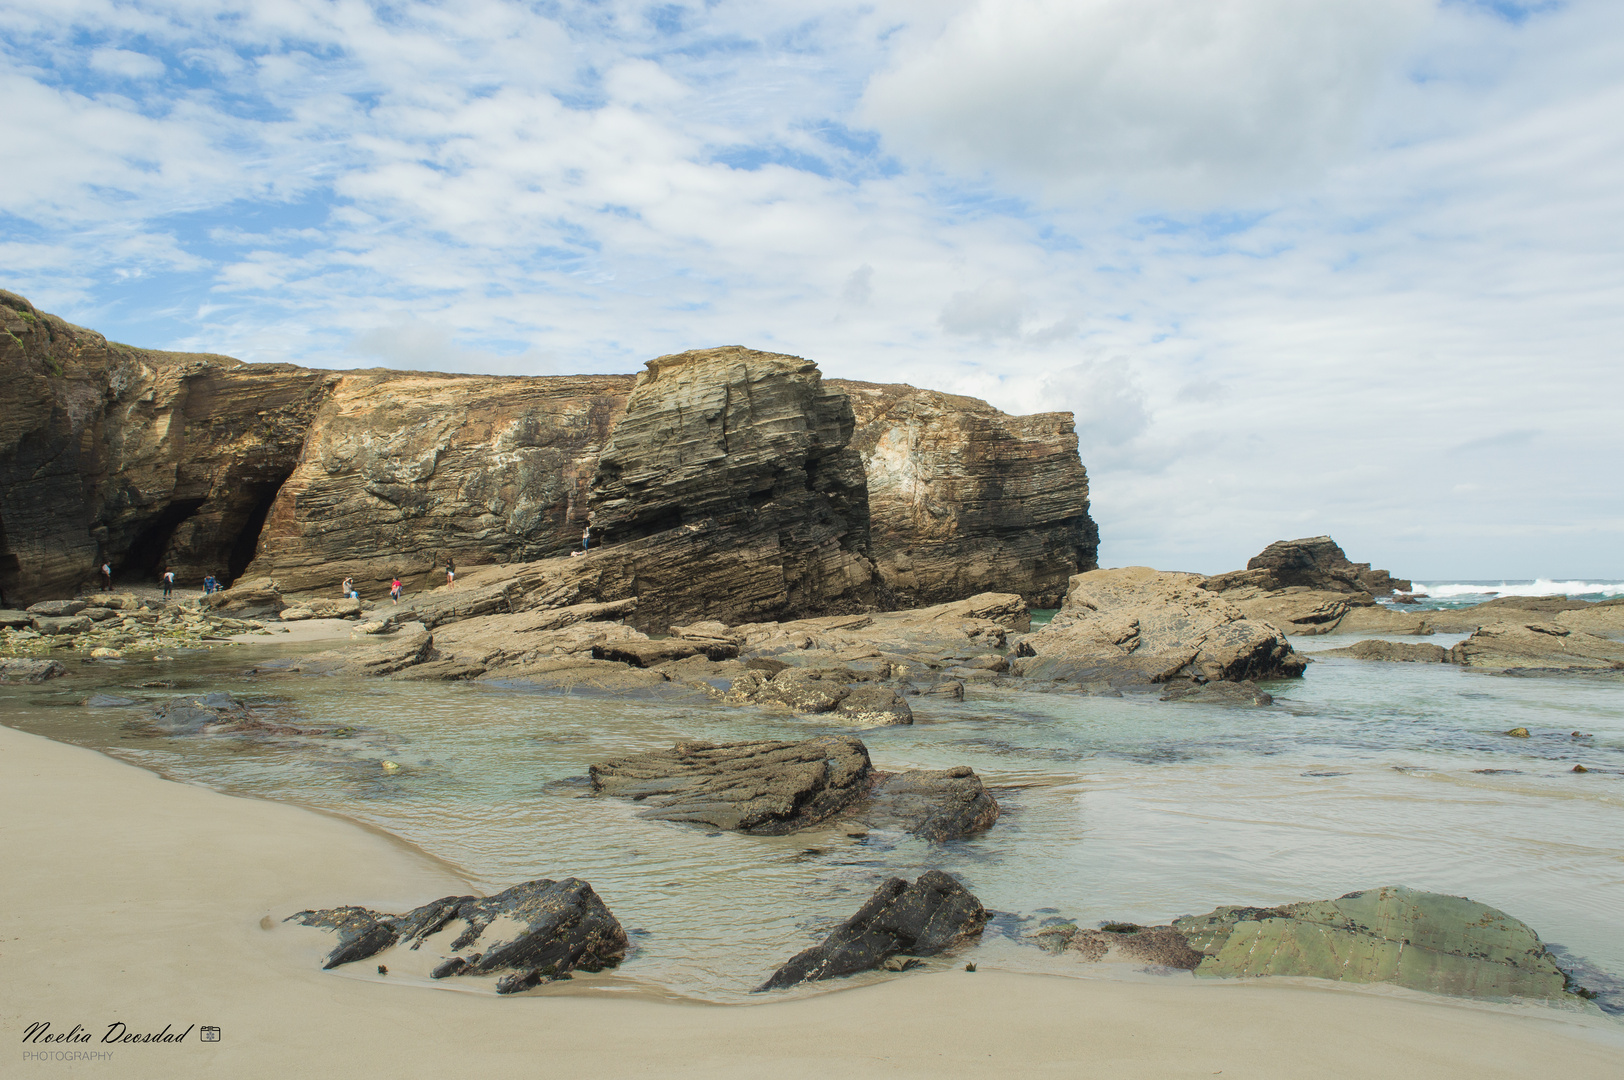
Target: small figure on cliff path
x: 450, y: 574
x: 169, y: 582
x: 347, y: 589
x: 394, y: 590
x: 107, y: 576
x: 586, y: 538
x: 208, y: 585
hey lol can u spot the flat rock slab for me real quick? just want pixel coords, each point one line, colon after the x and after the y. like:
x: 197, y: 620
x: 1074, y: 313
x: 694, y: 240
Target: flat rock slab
x: 1421, y: 940
x: 1536, y: 646
x: 536, y: 931
x: 1158, y: 946
x: 772, y: 788
x: 12, y: 619
x: 1245, y: 694
x: 1404, y: 652
x: 58, y: 608
x: 766, y: 788
x: 921, y: 918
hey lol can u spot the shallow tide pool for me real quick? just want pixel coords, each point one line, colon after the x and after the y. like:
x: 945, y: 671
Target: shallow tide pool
x: 1363, y: 774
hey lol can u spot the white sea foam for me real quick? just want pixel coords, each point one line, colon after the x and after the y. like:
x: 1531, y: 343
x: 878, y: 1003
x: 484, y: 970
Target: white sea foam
x: 1447, y: 590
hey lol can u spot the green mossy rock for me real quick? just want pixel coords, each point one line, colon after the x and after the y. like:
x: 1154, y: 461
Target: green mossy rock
x: 1421, y: 940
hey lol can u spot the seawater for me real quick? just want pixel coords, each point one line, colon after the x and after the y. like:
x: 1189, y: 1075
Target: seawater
x: 1363, y: 774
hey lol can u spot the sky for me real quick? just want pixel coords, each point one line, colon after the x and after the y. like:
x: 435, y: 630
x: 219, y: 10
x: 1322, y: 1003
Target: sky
x: 1298, y: 266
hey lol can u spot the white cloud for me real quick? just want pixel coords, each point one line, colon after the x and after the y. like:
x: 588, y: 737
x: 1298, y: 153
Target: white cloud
x: 1169, y: 99
x: 124, y: 62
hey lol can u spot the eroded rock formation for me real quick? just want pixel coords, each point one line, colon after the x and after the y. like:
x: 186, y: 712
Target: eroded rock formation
x: 726, y: 483
x: 965, y: 499
x: 1310, y: 586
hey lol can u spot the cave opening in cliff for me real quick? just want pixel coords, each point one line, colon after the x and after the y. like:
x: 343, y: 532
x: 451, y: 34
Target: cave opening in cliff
x: 246, y: 544
x: 10, y: 566
x: 145, y: 556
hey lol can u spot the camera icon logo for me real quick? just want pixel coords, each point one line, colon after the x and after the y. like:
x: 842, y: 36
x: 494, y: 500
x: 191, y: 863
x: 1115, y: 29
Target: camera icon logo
x: 209, y: 1034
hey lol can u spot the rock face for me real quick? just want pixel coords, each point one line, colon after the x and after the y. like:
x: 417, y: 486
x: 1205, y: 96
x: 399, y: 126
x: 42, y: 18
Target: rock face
x: 1137, y: 626
x: 772, y: 788
x: 730, y: 490
x: 138, y: 458
x: 1539, y: 647
x: 536, y: 931
x: 402, y: 470
x: 918, y: 919
x: 965, y: 499
x: 1422, y: 940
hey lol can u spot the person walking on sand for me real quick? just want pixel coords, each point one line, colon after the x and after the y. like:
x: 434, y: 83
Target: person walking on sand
x: 107, y: 576
x: 169, y: 582
x: 394, y: 590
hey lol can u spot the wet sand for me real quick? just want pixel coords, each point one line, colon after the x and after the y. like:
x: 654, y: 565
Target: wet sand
x: 129, y: 898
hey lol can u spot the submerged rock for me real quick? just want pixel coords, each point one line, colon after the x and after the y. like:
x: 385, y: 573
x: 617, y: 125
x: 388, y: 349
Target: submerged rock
x: 1161, y: 946
x: 535, y: 931
x: 1421, y: 940
x: 771, y: 788
x: 1246, y: 694
x: 18, y: 669
x: 918, y: 919
x: 1396, y: 651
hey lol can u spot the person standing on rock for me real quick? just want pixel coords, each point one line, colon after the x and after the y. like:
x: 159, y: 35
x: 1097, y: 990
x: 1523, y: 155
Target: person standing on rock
x: 586, y: 538
x: 345, y: 590
x: 450, y: 573
x: 208, y: 585
x: 169, y: 582
x: 107, y: 576
x: 394, y: 590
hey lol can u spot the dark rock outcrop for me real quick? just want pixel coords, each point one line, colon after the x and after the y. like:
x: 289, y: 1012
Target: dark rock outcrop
x: 1137, y: 626
x: 921, y: 918
x: 536, y: 931
x: 772, y: 788
x: 965, y: 499
x: 1318, y: 563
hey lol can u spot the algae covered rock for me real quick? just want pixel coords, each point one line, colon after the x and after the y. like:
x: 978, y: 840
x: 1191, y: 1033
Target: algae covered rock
x: 1421, y: 940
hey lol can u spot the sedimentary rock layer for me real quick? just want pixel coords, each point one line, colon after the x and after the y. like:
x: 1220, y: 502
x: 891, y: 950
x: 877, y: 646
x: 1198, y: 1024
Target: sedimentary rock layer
x: 403, y: 470
x: 965, y: 499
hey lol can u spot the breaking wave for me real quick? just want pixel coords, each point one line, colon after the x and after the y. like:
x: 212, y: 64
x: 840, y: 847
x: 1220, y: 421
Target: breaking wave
x: 1450, y: 590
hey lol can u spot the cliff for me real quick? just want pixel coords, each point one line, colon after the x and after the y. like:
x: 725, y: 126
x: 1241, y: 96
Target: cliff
x: 140, y: 458
x: 965, y: 499
x: 722, y: 483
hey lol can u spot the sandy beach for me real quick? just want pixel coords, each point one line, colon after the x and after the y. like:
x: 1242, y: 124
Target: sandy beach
x: 136, y: 900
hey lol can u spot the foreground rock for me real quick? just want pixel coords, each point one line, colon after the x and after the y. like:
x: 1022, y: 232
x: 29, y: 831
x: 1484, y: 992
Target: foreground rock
x: 536, y: 931
x: 214, y: 714
x: 1405, y: 652
x: 772, y: 788
x: 1420, y: 940
x: 1137, y: 626
x: 1539, y: 648
x: 918, y: 919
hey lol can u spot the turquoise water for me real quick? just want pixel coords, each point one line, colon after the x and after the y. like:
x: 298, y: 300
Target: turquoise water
x: 1114, y: 808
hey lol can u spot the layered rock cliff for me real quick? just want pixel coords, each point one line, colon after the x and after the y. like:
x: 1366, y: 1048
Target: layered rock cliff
x: 727, y: 483
x: 402, y: 470
x: 966, y: 499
